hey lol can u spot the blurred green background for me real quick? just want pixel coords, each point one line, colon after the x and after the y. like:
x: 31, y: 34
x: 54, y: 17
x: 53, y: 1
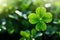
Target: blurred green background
x: 14, y: 24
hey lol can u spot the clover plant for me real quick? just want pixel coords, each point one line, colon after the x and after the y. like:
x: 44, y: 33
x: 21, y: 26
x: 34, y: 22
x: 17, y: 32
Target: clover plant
x: 28, y: 35
x: 25, y: 34
x: 40, y: 18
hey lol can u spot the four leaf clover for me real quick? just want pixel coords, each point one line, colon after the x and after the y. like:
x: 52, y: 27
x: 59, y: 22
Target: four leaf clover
x: 40, y: 18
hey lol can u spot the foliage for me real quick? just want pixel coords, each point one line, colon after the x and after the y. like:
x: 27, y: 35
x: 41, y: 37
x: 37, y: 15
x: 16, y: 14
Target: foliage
x: 30, y: 19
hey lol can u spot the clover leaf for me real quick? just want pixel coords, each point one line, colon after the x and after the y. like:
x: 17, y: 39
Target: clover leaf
x: 41, y: 26
x: 33, y: 19
x: 40, y: 11
x: 47, y: 17
x: 40, y: 18
x: 25, y: 34
x: 33, y: 31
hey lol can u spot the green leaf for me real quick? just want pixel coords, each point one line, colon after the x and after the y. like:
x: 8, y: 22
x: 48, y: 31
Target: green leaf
x: 58, y: 33
x: 12, y: 31
x: 40, y: 11
x: 22, y: 38
x: 33, y: 19
x: 25, y: 34
x: 33, y: 31
x: 41, y: 26
x: 47, y: 18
